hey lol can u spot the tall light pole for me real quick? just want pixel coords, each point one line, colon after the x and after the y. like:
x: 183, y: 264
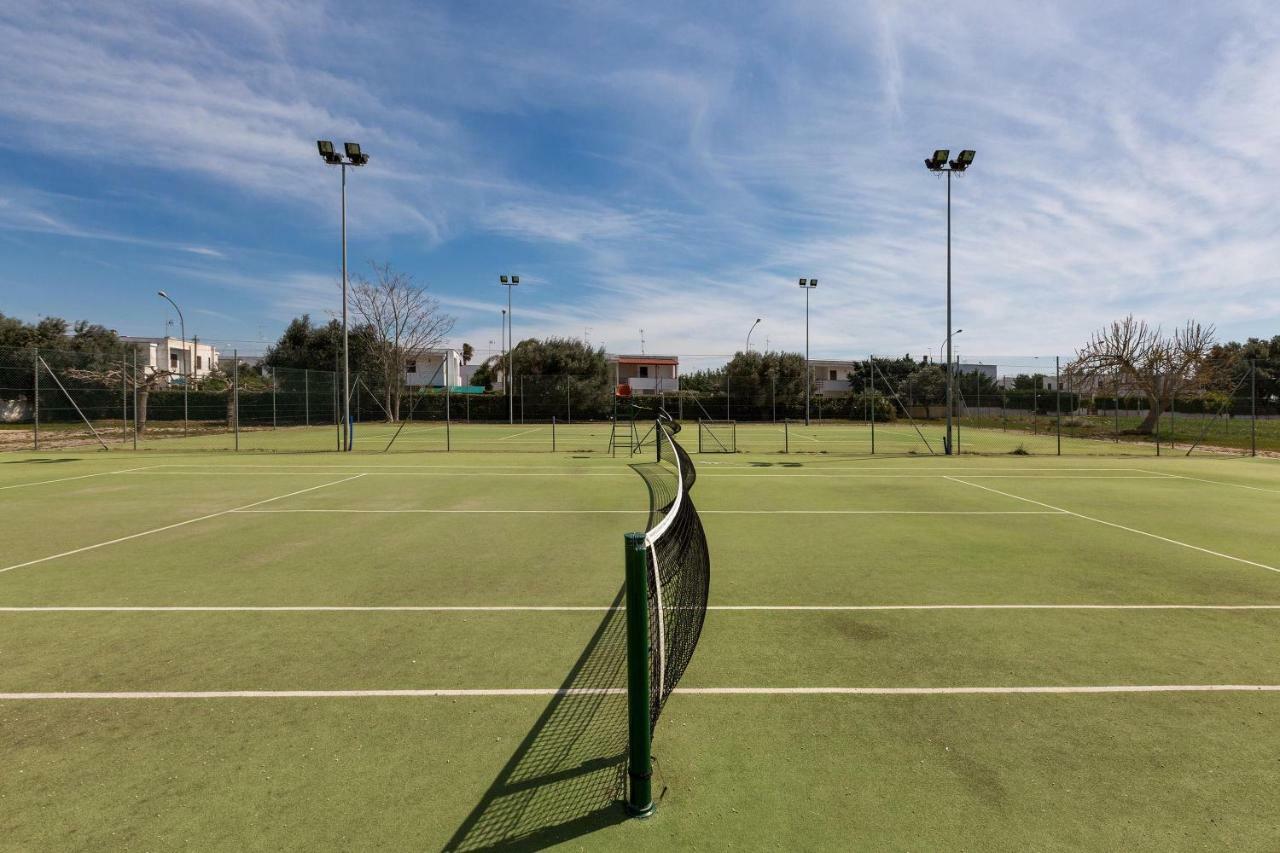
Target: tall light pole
x: 808, y: 284
x: 509, y: 282
x: 939, y: 163
x: 355, y: 157
x: 749, y: 331
x: 186, y: 373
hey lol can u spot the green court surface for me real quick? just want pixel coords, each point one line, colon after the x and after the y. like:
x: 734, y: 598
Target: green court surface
x: 310, y: 650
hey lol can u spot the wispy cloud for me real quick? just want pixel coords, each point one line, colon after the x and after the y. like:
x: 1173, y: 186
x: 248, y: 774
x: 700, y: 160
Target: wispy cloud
x: 676, y: 168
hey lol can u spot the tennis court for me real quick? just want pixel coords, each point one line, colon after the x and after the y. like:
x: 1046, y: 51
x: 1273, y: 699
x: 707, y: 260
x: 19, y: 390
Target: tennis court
x: 306, y: 650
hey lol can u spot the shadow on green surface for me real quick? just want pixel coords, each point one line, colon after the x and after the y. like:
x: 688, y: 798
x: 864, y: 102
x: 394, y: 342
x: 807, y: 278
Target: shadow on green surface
x: 567, y: 778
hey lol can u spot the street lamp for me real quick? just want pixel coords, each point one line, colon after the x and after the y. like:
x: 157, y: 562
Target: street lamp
x: 938, y: 164
x: 355, y: 157
x: 943, y: 342
x: 728, y: 376
x: 186, y: 378
x: 509, y: 282
x: 808, y: 284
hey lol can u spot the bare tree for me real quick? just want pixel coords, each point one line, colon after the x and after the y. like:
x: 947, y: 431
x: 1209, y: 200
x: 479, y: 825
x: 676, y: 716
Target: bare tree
x: 1157, y: 366
x: 402, y: 322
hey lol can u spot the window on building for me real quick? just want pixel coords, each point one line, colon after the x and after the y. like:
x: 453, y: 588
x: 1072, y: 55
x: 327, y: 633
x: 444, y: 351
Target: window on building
x: 644, y: 371
x: 832, y: 376
x: 199, y: 362
x: 411, y: 366
x: 173, y: 360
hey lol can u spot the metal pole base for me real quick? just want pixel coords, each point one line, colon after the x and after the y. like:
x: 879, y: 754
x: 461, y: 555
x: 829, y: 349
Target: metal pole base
x: 641, y: 812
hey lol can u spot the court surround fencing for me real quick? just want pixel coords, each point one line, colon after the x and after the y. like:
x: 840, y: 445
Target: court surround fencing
x: 52, y: 399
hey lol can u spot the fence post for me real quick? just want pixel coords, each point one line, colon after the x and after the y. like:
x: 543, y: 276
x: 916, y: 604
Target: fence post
x: 1253, y: 407
x: 135, y: 398
x: 786, y: 436
x: 553, y: 433
x: 35, y: 423
x: 235, y: 394
x: 306, y: 397
x: 273, y: 398
x: 1173, y: 410
x: 871, y: 401
x: 1117, y: 401
x: 568, y: 402
x: 1057, y: 390
x: 124, y: 402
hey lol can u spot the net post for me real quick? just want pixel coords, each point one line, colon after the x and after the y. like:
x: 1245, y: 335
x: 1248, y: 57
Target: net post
x: 135, y: 398
x: 786, y: 436
x: 553, y: 433
x: 640, y: 734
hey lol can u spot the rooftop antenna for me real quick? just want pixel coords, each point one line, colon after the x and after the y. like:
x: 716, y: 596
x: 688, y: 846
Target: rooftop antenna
x: 642, y: 341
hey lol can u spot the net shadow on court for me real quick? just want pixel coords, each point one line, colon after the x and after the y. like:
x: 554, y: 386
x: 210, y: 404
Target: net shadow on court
x: 568, y: 776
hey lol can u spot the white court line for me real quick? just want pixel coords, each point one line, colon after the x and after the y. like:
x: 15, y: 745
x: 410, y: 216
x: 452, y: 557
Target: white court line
x: 602, y: 608
x: 346, y: 510
x: 1217, y: 482
x: 1120, y: 526
x: 80, y: 477
x: 587, y: 474
x: 518, y: 434
x: 171, y: 526
x: 621, y: 691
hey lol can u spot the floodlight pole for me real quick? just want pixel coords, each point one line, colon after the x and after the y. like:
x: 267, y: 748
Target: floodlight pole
x: 354, y: 157
x: 509, y: 282
x: 939, y: 163
x: 949, y: 334
x: 807, y: 284
x: 186, y: 378
x: 346, y: 353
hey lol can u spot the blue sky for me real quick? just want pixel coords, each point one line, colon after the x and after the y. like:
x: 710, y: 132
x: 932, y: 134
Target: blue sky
x: 666, y: 166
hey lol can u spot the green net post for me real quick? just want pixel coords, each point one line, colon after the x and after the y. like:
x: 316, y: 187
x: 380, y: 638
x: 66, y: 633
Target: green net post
x: 640, y: 735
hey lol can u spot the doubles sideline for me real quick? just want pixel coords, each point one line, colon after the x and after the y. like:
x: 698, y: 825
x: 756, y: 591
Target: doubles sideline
x: 620, y: 691
x: 175, y: 524
x: 1118, y: 526
x: 593, y: 608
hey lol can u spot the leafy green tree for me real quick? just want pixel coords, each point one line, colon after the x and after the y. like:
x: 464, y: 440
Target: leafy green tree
x: 926, y: 386
x: 468, y: 353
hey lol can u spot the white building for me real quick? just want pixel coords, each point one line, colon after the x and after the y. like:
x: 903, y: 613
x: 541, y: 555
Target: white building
x: 831, y: 376
x: 181, y: 358
x: 646, y: 374
x: 433, y: 368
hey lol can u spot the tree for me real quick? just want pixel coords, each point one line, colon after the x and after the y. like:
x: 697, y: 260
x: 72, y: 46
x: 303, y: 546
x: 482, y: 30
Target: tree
x: 926, y: 386
x: 1160, y: 366
x: 400, y: 320
x: 468, y: 353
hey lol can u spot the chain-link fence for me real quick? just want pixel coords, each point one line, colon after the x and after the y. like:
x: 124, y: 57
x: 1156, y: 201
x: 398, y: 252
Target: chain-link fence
x: 1000, y: 405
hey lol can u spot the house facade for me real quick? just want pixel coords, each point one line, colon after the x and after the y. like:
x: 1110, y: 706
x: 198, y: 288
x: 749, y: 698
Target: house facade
x: 646, y: 374
x: 831, y: 376
x: 433, y: 368
x: 181, y: 358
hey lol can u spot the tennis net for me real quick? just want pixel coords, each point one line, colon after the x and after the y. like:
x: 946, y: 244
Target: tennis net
x: 679, y: 566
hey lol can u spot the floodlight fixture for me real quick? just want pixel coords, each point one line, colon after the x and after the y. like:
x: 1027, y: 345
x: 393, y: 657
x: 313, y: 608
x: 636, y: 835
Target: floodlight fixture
x: 354, y: 155
x: 502, y: 279
x: 938, y: 160
x: 515, y: 279
x: 963, y: 161
x: 808, y: 282
x: 333, y: 158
